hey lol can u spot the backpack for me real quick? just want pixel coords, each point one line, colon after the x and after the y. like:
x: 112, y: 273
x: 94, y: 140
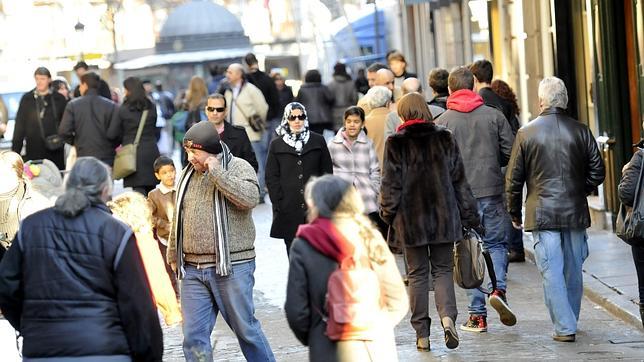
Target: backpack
x: 353, y: 301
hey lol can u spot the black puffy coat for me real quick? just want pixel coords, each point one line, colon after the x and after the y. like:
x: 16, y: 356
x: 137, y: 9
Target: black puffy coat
x: 27, y: 128
x: 558, y: 159
x: 318, y: 100
x: 286, y: 175
x: 77, y: 287
x: 424, y: 192
x: 126, y: 124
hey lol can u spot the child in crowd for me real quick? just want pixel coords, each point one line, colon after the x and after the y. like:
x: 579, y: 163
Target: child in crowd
x: 161, y: 201
x: 132, y: 208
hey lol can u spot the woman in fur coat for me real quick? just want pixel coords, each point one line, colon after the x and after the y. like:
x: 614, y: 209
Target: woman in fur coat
x: 425, y: 197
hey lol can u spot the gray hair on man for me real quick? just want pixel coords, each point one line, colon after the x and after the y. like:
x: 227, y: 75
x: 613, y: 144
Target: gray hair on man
x: 553, y: 93
x: 411, y: 85
x: 378, y: 96
x: 89, y: 182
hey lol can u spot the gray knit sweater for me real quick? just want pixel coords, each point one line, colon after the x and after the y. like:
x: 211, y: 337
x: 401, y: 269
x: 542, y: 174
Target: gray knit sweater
x: 239, y: 186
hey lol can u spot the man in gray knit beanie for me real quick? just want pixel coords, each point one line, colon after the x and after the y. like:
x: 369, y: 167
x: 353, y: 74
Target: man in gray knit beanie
x: 211, y: 246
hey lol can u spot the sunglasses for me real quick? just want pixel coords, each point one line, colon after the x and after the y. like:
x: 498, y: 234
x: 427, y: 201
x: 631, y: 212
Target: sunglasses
x: 301, y: 117
x: 218, y: 109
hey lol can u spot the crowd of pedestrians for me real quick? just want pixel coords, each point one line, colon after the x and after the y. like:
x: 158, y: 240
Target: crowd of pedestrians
x: 354, y: 170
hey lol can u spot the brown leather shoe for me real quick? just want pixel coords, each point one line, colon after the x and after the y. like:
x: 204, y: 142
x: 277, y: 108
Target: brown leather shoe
x: 422, y: 344
x: 566, y: 338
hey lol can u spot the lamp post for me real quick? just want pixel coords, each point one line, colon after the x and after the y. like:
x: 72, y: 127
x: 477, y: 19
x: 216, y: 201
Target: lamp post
x: 80, y: 28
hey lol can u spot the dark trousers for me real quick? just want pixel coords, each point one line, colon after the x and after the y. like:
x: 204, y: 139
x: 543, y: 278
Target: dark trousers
x: 168, y: 269
x: 288, y: 243
x: 638, y: 258
x: 441, y: 257
x: 144, y: 190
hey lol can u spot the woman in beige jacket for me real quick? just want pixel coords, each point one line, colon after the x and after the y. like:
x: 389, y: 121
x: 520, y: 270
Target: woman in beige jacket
x: 339, y: 230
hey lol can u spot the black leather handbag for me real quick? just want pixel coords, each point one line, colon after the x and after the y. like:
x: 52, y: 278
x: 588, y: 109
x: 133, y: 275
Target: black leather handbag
x: 629, y: 225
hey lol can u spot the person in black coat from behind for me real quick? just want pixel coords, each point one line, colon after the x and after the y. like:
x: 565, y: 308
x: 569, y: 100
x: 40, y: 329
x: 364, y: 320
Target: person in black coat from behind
x: 235, y: 137
x: 293, y: 157
x: 39, y: 114
x: 73, y: 282
x: 126, y: 125
x: 318, y: 100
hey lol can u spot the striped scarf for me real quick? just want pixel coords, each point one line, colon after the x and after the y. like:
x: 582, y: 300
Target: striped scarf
x: 220, y: 220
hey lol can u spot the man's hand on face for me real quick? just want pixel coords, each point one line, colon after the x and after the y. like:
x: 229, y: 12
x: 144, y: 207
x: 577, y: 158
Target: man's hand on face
x: 213, y: 162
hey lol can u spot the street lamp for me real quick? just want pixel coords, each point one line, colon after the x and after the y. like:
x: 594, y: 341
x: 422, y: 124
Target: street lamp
x: 80, y: 28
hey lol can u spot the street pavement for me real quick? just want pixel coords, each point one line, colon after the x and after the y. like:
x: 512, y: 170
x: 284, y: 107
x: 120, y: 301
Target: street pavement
x: 601, y: 335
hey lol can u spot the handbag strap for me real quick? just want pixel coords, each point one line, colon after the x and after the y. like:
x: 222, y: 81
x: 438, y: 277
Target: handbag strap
x: 144, y: 115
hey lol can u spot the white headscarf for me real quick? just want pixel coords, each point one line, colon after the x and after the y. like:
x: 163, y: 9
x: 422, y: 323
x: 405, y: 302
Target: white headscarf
x: 298, y: 140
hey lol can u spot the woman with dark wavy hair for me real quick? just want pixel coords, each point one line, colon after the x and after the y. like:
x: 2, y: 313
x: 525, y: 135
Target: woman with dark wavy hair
x: 503, y: 90
x: 128, y: 118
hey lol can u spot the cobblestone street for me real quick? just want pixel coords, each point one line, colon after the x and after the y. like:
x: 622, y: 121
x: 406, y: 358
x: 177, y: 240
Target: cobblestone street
x: 600, y: 337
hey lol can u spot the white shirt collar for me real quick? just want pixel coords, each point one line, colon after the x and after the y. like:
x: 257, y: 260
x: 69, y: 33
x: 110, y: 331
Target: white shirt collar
x: 165, y: 189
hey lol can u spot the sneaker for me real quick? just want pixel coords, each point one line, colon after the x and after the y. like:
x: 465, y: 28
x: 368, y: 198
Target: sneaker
x: 498, y: 302
x: 566, y: 338
x: 422, y: 344
x: 475, y: 323
x: 516, y: 257
x: 451, y: 337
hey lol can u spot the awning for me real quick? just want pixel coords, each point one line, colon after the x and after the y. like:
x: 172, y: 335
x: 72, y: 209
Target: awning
x: 182, y: 57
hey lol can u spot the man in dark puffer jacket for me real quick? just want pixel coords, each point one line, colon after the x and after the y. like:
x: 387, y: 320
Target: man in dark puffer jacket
x: 73, y: 283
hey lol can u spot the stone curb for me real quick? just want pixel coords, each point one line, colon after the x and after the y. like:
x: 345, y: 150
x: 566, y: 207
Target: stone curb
x: 599, y: 293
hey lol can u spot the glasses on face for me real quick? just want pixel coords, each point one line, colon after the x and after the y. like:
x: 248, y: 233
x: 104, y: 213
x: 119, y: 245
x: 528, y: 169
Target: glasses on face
x: 217, y: 109
x: 301, y: 117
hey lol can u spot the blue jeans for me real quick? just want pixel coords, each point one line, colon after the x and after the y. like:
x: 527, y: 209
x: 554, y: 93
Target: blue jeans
x: 493, y: 218
x: 261, y: 152
x: 559, y: 255
x: 204, y: 294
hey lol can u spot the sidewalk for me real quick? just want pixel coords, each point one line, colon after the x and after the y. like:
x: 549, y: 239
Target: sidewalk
x: 610, y: 279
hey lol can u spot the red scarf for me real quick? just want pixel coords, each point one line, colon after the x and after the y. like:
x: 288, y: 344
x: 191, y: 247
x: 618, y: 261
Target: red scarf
x: 410, y: 122
x: 325, y: 238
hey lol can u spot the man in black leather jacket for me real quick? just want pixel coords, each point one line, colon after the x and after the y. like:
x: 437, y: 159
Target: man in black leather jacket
x: 558, y: 159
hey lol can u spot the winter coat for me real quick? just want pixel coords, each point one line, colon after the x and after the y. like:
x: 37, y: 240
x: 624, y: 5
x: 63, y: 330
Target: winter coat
x: 249, y: 102
x: 558, y: 159
x: 484, y: 138
x: 376, y: 124
x: 286, y: 175
x: 318, y: 100
x: 285, y: 96
x: 424, y: 193
x: 77, y: 287
x: 628, y: 184
x: 306, y: 290
x: 266, y: 85
x: 236, y: 139
x: 86, y: 124
x: 27, y: 127
x: 494, y: 100
x: 125, y: 126
x: 439, y: 101
x: 345, y: 96
x: 103, y: 90
x: 358, y: 164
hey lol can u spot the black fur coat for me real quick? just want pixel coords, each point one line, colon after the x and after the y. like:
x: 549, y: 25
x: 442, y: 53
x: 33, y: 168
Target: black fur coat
x: 424, y: 193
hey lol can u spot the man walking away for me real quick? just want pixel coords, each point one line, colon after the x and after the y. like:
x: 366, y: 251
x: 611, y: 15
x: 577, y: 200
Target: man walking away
x: 559, y: 161
x: 212, y: 246
x: 483, y: 74
x: 81, y: 68
x: 485, y: 140
x: 87, y: 122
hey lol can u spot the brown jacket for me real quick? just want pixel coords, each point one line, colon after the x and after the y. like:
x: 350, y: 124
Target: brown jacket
x: 375, y: 124
x: 162, y: 206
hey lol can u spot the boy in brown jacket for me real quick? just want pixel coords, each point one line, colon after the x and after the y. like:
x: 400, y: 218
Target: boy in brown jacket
x: 161, y: 201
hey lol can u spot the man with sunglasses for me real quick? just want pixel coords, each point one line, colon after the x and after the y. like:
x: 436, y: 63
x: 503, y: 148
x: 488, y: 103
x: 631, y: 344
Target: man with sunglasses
x: 235, y: 137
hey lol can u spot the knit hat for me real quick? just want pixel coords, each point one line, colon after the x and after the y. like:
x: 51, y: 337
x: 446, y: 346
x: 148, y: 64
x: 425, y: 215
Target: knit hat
x: 203, y: 136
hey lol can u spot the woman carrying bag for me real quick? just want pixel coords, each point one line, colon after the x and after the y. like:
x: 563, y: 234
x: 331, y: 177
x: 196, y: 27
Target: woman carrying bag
x: 129, y: 119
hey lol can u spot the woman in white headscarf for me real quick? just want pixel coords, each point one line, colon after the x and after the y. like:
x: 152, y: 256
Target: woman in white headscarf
x: 293, y: 157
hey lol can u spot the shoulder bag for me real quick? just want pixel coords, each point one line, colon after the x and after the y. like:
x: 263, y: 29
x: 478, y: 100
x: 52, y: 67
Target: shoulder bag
x: 471, y: 261
x: 125, y: 161
x: 629, y: 225
x: 255, y: 121
x: 53, y: 142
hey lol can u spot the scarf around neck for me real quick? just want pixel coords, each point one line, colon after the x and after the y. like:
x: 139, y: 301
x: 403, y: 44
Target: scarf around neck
x: 326, y: 239
x: 297, y: 141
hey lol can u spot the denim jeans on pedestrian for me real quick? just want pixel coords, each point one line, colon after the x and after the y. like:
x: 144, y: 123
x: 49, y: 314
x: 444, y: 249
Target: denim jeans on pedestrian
x: 261, y: 152
x: 559, y: 255
x: 204, y: 295
x: 494, y: 219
